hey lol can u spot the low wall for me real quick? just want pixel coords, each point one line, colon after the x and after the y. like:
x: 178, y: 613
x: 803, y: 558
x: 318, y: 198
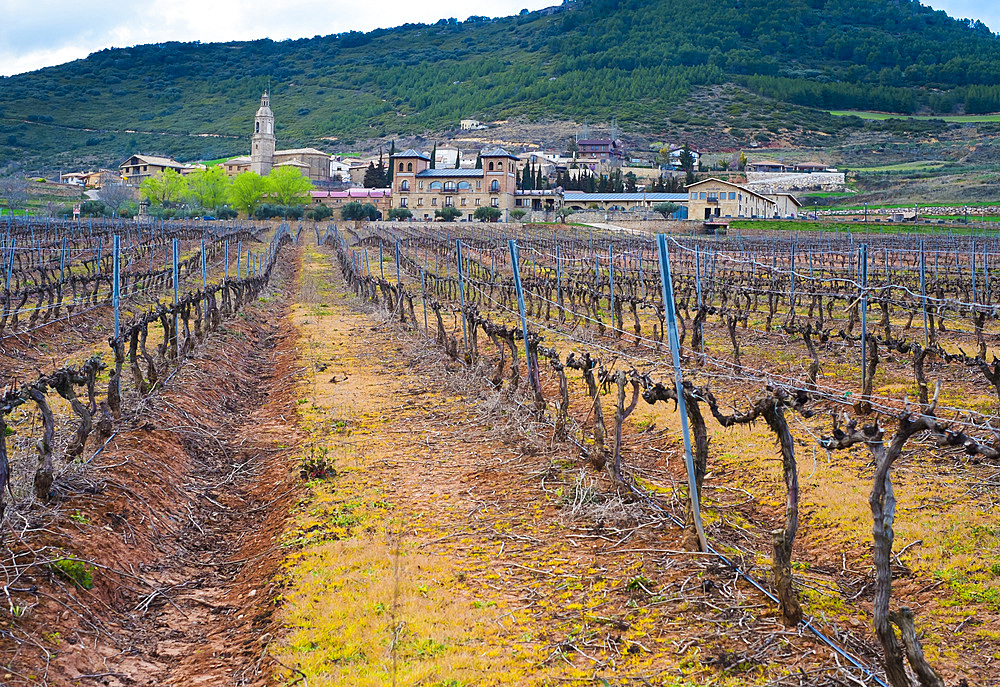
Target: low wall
x: 782, y: 182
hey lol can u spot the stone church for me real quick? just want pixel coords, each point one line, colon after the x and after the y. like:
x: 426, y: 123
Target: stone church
x: 314, y: 164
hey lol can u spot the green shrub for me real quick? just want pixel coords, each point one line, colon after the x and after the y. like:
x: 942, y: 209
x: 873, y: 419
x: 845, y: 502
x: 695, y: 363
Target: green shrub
x: 76, y: 571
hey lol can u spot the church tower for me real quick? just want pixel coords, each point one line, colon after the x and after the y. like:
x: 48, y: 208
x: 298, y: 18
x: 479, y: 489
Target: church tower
x: 262, y: 142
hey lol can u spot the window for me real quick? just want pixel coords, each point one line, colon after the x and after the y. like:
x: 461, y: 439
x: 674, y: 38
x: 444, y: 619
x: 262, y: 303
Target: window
x: 402, y: 202
x: 420, y: 201
x: 495, y: 185
x: 477, y: 201
x: 713, y: 195
x: 463, y: 200
x: 449, y: 186
x: 420, y: 185
x: 491, y: 166
x: 409, y: 166
x: 732, y: 195
x: 435, y: 186
x: 694, y: 195
x: 464, y: 185
x: 400, y: 166
x: 449, y: 202
x: 495, y: 202
x: 434, y: 200
x: 405, y: 186
x: 702, y: 195
x: 479, y: 185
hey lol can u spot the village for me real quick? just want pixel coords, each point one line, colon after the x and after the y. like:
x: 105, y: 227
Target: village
x: 595, y: 178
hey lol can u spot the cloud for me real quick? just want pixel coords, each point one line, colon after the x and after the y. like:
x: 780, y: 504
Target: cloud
x: 42, y: 33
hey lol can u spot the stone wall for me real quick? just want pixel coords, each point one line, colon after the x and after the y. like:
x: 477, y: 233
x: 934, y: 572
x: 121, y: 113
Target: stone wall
x: 782, y: 182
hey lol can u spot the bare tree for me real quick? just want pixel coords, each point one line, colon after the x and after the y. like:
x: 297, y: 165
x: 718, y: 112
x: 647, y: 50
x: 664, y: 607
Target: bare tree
x: 115, y: 196
x: 14, y: 192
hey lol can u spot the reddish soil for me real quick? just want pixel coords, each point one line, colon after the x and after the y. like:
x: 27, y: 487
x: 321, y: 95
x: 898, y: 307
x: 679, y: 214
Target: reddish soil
x: 179, y: 518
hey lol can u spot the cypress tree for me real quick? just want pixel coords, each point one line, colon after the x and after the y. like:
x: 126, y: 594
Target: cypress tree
x: 434, y: 156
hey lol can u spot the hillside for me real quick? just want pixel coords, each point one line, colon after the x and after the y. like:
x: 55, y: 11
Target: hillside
x: 592, y: 60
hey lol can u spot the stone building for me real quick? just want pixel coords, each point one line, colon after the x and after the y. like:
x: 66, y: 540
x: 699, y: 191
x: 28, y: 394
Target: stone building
x: 422, y: 190
x: 714, y: 198
x: 262, y: 142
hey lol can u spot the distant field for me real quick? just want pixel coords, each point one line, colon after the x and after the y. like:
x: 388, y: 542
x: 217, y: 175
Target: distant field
x: 917, y: 166
x: 852, y: 227
x: 881, y: 116
x: 896, y: 206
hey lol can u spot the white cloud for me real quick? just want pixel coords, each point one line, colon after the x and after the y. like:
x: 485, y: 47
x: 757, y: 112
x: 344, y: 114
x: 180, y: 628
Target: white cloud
x: 41, y: 33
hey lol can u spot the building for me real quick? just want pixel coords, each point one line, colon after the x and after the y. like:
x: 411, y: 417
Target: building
x: 422, y: 190
x: 714, y: 198
x: 237, y: 165
x: 766, y: 166
x: 314, y: 164
x: 603, y: 149
x: 340, y: 170
x: 139, y: 167
x: 381, y: 198
x: 545, y: 200
x: 786, y: 205
x: 625, y: 202
x: 471, y: 125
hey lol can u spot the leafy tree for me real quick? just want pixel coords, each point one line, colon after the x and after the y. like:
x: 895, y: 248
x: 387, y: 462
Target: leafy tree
x: 164, y: 189
x: 320, y: 212
x: 448, y: 213
x: 209, y: 187
x: 485, y: 213
x: 743, y: 162
x: 247, y: 192
x: 666, y: 209
x: 399, y: 214
x: 358, y: 212
x: 289, y: 186
x: 564, y: 212
x: 518, y: 214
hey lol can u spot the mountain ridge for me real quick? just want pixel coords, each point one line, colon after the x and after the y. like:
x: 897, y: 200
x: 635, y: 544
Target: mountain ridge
x: 589, y: 60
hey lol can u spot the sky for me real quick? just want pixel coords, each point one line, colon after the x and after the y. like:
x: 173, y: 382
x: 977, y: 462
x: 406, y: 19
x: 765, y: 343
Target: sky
x: 42, y: 33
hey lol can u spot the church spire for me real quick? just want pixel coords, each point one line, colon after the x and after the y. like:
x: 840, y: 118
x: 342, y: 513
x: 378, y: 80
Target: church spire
x: 262, y: 143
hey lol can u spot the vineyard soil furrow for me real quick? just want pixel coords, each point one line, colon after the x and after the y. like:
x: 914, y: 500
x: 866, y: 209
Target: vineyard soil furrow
x: 177, y: 522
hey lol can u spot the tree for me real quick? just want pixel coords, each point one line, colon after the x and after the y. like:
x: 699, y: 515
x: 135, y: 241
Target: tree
x: 743, y: 162
x: 289, y: 186
x: 448, y: 213
x: 564, y: 212
x: 115, y: 196
x: 631, y: 184
x: 358, y: 212
x: 319, y: 213
x: 687, y: 159
x: 434, y: 152
x: 484, y: 213
x: 458, y: 159
x: 164, y: 189
x: 399, y: 214
x: 518, y: 214
x: 209, y: 187
x: 479, y: 161
x: 388, y: 173
x: 572, y: 148
x: 666, y: 209
x: 14, y: 192
x: 247, y: 192
x: 375, y: 177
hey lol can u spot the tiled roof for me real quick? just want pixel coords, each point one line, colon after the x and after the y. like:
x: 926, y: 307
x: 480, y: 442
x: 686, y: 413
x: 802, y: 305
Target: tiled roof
x: 355, y: 193
x: 496, y: 152
x: 450, y: 173
x: 577, y: 196
x: 301, y: 151
x: 410, y: 152
x: 158, y: 161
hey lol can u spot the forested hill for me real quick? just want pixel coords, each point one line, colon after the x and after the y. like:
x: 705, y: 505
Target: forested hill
x: 593, y: 60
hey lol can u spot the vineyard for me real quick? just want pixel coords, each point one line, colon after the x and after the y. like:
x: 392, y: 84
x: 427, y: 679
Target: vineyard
x: 795, y: 436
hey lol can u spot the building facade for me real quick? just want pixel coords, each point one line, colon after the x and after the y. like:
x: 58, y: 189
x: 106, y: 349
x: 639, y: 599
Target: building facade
x: 314, y: 164
x: 381, y: 198
x: 139, y: 167
x: 711, y: 199
x: 423, y: 190
x: 603, y: 149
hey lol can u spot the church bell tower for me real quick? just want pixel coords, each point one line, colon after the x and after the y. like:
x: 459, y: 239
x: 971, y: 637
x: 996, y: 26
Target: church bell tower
x: 262, y: 142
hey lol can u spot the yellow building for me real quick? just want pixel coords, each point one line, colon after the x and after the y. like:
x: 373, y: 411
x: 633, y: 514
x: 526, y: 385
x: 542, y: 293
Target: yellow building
x: 422, y: 190
x: 717, y: 199
x: 139, y: 167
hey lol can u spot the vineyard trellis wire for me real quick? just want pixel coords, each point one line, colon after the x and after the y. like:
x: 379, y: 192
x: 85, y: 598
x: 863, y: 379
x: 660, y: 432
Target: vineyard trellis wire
x: 718, y: 280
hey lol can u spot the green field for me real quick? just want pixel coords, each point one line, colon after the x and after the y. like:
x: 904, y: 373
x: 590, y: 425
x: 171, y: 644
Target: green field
x: 882, y: 116
x: 852, y: 227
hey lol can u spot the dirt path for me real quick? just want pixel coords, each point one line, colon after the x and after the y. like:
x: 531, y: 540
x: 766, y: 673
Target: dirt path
x: 457, y: 544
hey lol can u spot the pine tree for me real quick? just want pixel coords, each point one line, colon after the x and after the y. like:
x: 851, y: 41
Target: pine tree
x: 538, y: 179
x: 434, y: 156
